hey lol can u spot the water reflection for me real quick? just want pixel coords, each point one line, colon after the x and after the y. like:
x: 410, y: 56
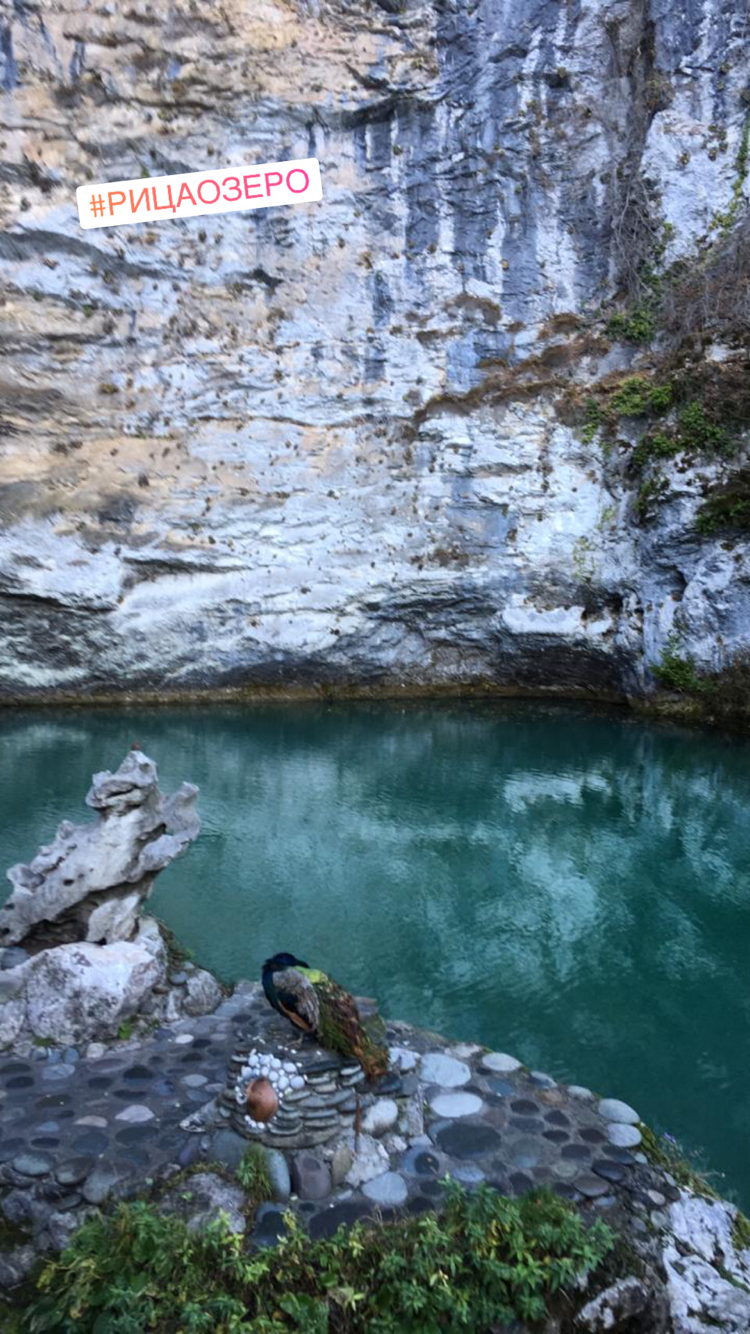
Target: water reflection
x: 567, y: 885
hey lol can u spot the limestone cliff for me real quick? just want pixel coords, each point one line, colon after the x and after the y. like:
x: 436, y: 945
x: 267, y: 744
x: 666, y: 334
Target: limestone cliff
x: 347, y: 441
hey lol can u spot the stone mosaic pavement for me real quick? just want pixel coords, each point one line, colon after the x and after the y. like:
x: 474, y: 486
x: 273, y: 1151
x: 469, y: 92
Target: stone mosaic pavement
x: 76, y: 1130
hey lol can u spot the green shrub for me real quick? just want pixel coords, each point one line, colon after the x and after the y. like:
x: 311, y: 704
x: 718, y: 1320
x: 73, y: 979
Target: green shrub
x: 664, y: 1151
x: 699, y: 432
x: 637, y: 396
x: 676, y: 672
x: 637, y: 325
x: 648, y: 496
x: 727, y: 506
x: 656, y: 445
x: 483, y: 1262
x: 253, y: 1175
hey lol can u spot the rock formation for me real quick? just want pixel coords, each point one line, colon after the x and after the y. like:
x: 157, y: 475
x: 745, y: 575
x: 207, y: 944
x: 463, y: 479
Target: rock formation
x: 346, y: 441
x: 79, y: 958
x: 91, y: 882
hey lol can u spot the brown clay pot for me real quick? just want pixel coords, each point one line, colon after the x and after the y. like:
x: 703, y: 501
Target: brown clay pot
x: 261, y: 1099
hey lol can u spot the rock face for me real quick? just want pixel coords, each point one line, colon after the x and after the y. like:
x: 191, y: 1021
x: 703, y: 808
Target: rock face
x: 90, y: 883
x: 326, y: 442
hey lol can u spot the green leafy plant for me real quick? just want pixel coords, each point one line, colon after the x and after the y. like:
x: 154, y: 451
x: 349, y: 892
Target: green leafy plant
x: 637, y: 325
x: 698, y: 431
x: 664, y: 1151
x: 637, y: 395
x: 648, y: 494
x: 727, y: 506
x: 484, y: 1261
x: 675, y: 671
x: 253, y: 1175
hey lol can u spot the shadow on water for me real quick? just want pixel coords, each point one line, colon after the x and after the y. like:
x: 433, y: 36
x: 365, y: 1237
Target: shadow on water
x: 568, y: 885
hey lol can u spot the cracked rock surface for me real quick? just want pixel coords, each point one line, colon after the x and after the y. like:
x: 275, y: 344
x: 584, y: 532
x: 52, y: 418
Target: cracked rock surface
x: 323, y: 443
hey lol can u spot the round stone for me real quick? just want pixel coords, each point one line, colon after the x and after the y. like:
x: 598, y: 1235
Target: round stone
x: 614, y: 1110
x: 451, y: 1105
x: 623, y: 1136
x: 467, y: 1139
x: 74, y: 1171
x: 541, y: 1080
x: 32, y: 1164
x: 499, y: 1063
x: 194, y: 1081
x: 444, y: 1070
x: 389, y: 1189
x: 609, y: 1170
x: 468, y: 1174
x: 525, y: 1107
x: 278, y: 1173
x: 566, y: 1171
x: 184, y: 1039
x: 524, y: 1154
x: 591, y: 1186
x: 555, y: 1118
x: 576, y: 1153
x: 578, y: 1091
x: 134, y: 1114
x: 381, y: 1117
x: 99, y: 1184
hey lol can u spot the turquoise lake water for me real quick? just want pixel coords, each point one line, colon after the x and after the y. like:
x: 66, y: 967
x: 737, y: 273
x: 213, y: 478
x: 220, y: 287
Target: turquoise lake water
x: 569, y: 886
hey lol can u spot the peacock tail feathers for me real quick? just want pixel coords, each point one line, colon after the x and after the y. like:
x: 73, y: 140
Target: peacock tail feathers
x: 340, y: 1027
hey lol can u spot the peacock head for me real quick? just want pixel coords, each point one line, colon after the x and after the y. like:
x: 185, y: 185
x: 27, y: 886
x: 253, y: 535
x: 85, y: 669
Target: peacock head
x: 280, y: 961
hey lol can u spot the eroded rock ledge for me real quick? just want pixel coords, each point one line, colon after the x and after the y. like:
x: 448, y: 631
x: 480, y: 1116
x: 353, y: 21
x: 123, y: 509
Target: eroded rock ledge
x: 79, y: 958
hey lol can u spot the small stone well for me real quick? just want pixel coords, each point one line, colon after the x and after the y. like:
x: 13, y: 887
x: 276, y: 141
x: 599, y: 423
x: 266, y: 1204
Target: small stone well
x: 318, y: 1091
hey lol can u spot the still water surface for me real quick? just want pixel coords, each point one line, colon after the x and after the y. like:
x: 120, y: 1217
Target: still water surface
x: 569, y: 886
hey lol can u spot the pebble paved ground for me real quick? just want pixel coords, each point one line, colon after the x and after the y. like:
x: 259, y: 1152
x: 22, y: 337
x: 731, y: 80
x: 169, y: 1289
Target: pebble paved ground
x: 75, y: 1130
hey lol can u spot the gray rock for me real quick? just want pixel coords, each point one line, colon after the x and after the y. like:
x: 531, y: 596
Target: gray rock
x: 93, y: 878
x: 380, y: 1117
x: 564, y: 586
x: 278, y: 1171
x: 614, y: 1110
x: 75, y: 992
x: 370, y: 1159
x: 388, y: 1190
x: 499, y: 1063
x: 62, y: 1224
x: 202, y: 1197
x: 202, y: 993
x: 32, y: 1164
x: 136, y: 1114
x: 100, y: 1184
x: 13, y: 956
x: 16, y: 1265
x: 624, y: 1136
x: 616, y: 1307
x: 311, y: 1176
x: 456, y: 1104
x: 341, y: 1162
x: 227, y: 1147
x: 446, y: 1071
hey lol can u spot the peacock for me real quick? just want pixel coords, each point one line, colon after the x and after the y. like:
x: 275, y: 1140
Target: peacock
x: 317, y: 1005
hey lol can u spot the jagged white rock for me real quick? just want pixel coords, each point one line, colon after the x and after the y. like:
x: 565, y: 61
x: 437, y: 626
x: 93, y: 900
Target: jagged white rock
x: 90, y: 882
